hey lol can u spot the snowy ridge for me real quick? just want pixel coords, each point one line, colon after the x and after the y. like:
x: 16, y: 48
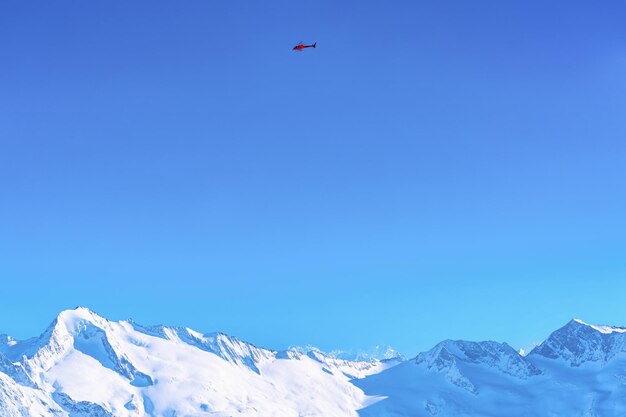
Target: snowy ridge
x: 453, y: 357
x: 84, y: 365
x: 603, y: 329
x: 77, y: 330
x: 580, y: 370
x: 496, y: 356
x: 226, y: 347
x: 578, y: 343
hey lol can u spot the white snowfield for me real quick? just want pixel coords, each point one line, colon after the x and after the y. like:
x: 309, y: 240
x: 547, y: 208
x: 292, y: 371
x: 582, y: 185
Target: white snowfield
x: 86, y: 366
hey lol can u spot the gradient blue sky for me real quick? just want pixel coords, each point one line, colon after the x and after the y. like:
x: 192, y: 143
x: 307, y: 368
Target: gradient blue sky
x: 434, y: 169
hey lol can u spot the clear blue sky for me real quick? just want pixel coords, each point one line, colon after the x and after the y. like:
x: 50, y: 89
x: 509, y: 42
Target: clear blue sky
x: 434, y: 169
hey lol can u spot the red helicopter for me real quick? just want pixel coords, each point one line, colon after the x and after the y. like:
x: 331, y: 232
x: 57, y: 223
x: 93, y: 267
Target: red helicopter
x: 301, y: 46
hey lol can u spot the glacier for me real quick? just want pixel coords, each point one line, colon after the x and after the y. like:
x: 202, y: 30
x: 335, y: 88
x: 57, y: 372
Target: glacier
x: 84, y: 365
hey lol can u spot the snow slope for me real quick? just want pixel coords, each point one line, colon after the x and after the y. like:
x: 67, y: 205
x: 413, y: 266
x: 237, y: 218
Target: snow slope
x: 580, y: 370
x: 86, y: 365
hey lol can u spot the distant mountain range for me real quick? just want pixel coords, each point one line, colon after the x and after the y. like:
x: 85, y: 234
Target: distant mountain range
x: 84, y: 365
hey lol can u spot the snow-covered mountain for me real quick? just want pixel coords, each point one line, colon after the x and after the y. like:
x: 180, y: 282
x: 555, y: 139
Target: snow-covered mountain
x: 379, y: 352
x: 578, y: 342
x: 85, y: 365
x: 580, y: 370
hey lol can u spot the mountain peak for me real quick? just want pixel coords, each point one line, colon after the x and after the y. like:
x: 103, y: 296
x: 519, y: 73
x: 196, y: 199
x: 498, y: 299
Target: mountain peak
x: 578, y: 342
x: 80, y: 313
x: 497, y: 356
x: 84, y: 364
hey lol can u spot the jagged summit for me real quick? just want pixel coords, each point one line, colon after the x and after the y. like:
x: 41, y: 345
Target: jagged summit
x: 59, y: 334
x: 578, y: 342
x: 455, y: 356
